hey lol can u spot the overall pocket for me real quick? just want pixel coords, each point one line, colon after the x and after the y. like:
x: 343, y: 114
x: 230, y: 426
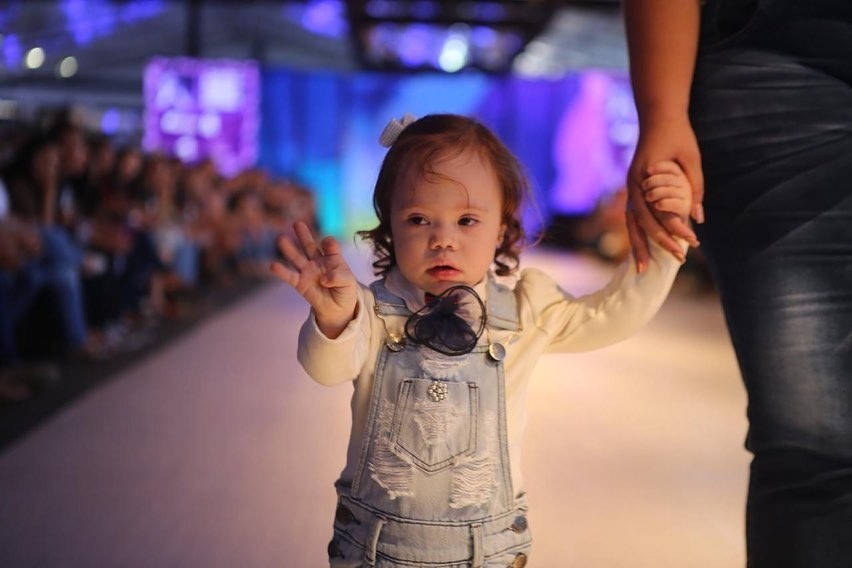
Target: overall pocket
x: 435, y: 422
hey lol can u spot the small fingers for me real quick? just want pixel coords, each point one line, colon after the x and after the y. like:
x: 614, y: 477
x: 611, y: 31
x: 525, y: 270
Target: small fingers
x: 292, y: 253
x: 338, y: 277
x: 329, y: 246
x: 284, y: 273
x: 663, y: 180
x: 665, y: 192
x: 306, y: 239
x: 336, y: 271
x: 674, y: 205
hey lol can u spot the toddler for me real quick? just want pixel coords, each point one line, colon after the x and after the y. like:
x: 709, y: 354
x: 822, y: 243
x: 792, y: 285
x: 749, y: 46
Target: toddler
x: 441, y: 350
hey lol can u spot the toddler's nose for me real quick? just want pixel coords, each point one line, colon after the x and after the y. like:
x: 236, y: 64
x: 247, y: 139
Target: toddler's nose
x: 443, y: 237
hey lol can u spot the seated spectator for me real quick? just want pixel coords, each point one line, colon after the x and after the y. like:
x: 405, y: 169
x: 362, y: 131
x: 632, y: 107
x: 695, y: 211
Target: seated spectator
x: 32, y: 183
x: 123, y: 207
x: 164, y: 218
x: 20, y: 245
x: 258, y: 235
x: 217, y: 233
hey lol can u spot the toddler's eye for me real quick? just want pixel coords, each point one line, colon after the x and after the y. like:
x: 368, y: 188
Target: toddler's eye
x: 467, y: 221
x: 417, y: 220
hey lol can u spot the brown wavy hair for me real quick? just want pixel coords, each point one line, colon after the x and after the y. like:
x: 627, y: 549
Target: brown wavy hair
x: 418, y: 148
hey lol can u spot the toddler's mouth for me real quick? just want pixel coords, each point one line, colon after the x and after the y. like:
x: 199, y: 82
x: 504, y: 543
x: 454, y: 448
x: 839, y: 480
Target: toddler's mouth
x: 443, y: 269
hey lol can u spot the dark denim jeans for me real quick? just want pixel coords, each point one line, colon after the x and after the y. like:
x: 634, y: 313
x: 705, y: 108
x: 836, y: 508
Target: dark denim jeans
x: 772, y: 109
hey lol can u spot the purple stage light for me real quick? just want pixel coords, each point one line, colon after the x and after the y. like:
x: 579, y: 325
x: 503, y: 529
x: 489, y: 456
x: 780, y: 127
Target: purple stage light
x: 197, y: 109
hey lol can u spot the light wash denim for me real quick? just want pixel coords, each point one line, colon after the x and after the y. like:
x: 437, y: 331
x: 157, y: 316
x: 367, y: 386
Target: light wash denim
x: 433, y: 486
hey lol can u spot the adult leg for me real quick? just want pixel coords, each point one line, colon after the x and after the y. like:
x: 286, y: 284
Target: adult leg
x: 776, y: 140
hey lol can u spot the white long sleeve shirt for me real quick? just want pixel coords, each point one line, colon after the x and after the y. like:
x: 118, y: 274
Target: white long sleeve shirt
x: 552, y: 321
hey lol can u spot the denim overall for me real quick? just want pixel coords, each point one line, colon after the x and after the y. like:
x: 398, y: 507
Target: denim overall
x: 433, y: 486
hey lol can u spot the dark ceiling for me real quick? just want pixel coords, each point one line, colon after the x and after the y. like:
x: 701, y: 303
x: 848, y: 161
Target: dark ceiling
x: 111, y: 41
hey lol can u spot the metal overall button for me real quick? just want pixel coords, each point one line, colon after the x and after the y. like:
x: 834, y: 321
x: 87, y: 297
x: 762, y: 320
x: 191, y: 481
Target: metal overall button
x: 496, y: 351
x: 520, y: 561
x: 395, y: 342
x: 519, y: 525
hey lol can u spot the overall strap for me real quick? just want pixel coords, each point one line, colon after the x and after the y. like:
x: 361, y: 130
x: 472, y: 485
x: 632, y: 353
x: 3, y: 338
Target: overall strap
x: 501, y: 307
x: 501, y: 304
x: 388, y: 304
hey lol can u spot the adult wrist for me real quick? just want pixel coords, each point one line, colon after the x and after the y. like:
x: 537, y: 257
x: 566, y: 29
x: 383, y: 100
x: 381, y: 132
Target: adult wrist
x: 662, y: 113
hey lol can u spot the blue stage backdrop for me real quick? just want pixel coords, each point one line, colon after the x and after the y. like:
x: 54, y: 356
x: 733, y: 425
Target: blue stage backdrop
x: 573, y: 135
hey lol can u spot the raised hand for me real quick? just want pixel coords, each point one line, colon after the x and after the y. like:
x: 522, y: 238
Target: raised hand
x: 321, y: 275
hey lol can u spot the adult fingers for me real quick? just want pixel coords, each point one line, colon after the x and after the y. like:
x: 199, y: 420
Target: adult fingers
x: 664, y: 167
x: 697, y: 196
x: 691, y: 164
x: 677, y: 225
x: 653, y: 228
x: 638, y: 242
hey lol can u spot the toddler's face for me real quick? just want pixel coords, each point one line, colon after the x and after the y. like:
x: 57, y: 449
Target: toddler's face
x: 445, y: 230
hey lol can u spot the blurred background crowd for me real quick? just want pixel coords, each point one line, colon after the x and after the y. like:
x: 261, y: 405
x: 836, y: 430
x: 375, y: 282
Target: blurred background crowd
x: 100, y: 242
x: 139, y: 176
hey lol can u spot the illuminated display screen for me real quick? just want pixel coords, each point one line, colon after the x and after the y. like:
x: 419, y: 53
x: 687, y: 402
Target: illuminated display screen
x: 197, y: 109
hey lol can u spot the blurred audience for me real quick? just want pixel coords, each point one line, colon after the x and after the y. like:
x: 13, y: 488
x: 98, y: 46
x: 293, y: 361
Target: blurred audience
x: 100, y: 242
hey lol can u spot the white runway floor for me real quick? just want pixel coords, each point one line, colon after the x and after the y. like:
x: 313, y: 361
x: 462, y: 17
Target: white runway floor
x: 218, y: 451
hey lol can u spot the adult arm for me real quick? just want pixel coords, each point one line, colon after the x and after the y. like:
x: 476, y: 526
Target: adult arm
x: 662, y: 40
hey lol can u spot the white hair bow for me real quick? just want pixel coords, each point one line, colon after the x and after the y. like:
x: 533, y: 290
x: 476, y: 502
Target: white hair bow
x: 394, y: 128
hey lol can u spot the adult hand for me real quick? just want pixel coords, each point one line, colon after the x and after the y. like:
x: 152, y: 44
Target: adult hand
x: 660, y: 140
x: 321, y: 275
